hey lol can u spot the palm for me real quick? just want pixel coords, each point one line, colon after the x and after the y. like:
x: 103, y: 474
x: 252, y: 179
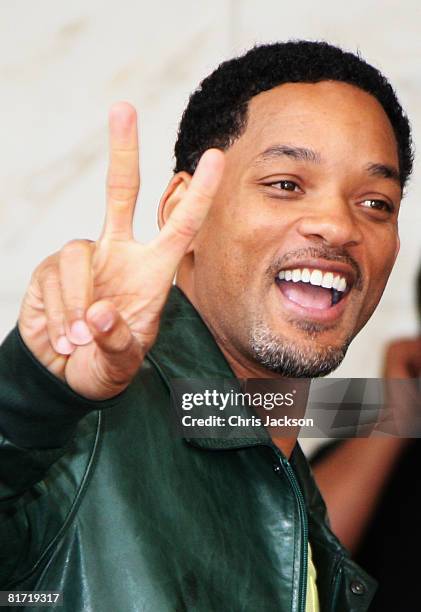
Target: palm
x: 119, y: 273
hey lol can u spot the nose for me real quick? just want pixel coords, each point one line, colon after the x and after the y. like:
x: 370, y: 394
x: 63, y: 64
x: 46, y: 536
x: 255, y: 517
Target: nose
x: 331, y: 222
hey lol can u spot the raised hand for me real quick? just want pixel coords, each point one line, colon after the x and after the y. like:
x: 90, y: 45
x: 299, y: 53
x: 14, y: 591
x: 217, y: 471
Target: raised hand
x: 92, y: 310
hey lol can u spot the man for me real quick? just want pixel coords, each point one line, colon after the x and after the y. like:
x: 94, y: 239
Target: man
x: 281, y: 258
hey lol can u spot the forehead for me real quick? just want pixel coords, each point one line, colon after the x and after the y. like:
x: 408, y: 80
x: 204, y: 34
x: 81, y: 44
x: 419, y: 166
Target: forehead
x: 335, y: 118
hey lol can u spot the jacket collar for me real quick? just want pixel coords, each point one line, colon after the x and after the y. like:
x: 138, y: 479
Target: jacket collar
x: 185, y: 348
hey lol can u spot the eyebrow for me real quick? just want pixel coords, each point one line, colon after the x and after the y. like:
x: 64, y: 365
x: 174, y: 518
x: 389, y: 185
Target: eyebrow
x: 384, y: 171
x: 298, y: 153
x: 309, y: 155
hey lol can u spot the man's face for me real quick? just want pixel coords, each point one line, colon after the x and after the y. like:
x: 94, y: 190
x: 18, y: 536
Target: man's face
x: 309, y: 191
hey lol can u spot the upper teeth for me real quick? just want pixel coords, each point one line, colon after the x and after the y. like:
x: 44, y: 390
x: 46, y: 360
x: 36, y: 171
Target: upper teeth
x: 329, y: 280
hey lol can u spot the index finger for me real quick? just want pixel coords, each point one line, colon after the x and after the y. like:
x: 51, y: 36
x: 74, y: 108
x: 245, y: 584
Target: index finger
x: 123, y: 172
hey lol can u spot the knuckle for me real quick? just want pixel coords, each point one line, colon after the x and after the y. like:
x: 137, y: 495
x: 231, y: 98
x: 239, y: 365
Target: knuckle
x: 125, y: 152
x: 126, y: 180
x: 75, y: 306
x: 185, y: 227
x: 200, y: 195
x: 46, y: 264
x: 118, y: 367
x: 122, y: 193
x: 118, y: 339
x: 74, y: 309
x: 55, y: 319
x: 111, y: 376
x: 75, y: 247
x: 48, y: 276
x: 51, y: 281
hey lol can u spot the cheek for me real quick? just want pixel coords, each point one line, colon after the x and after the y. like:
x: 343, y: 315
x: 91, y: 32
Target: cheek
x: 381, y: 258
x: 233, y: 234
x: 231, y: 260
x: 384, y: 252
x: 217, y: 258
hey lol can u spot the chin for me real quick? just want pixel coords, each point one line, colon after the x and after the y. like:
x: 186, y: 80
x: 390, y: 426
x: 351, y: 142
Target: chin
x: 305, y: 353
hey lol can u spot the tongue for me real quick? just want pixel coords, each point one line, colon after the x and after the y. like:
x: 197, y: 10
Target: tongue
x: 306, y: 295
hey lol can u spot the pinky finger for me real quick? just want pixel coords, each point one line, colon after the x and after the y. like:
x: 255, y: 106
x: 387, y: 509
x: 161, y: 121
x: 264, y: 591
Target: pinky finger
x: 54, y: 311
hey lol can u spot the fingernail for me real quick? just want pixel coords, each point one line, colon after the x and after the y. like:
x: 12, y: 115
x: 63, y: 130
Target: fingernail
x: 64, y: 347
x: 103, y: 321
x: 80, y: 333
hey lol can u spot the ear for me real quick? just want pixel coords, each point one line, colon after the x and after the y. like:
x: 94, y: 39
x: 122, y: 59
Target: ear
x: 175, y: 191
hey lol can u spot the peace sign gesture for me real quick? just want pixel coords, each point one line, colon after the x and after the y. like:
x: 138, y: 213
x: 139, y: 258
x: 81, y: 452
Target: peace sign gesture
x: 92, y: 310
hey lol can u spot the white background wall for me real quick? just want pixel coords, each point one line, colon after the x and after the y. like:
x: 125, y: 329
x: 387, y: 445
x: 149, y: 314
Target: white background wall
x: 63, y: 63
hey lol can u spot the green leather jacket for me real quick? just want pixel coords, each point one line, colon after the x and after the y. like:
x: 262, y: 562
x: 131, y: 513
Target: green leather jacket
x: 101, y: 500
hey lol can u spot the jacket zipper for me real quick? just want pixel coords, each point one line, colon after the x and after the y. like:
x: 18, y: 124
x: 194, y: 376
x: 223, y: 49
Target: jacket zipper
x: 304, y: 525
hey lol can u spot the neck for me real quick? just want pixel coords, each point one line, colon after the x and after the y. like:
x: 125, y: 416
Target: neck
x: 244, y: 369
x: 285, y: 445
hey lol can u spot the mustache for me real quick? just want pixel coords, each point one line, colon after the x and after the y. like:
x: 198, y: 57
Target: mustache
x: 338, y: 255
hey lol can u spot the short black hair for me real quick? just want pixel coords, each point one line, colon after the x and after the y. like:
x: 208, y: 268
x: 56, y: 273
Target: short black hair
x: 216, y: 114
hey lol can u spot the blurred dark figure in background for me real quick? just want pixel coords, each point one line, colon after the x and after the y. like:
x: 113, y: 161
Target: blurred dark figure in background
x: 372, y: 489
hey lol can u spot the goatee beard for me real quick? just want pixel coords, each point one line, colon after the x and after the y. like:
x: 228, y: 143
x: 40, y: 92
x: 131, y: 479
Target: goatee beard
x: 293, y: 360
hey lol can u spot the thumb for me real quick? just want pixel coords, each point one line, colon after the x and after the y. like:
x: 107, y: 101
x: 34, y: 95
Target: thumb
x: 121, y: 354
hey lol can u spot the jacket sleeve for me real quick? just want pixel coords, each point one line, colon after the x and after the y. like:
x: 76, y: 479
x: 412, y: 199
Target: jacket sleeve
x: 39, y: 415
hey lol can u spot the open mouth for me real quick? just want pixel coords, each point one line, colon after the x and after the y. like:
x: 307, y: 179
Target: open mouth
x: 313, y: 288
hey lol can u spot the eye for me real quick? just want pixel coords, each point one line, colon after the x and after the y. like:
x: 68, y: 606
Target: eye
x: 381, y: 205
x: 284, y: 185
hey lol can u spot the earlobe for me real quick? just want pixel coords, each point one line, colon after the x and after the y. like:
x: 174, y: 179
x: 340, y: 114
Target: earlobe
x: 172, y: 195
